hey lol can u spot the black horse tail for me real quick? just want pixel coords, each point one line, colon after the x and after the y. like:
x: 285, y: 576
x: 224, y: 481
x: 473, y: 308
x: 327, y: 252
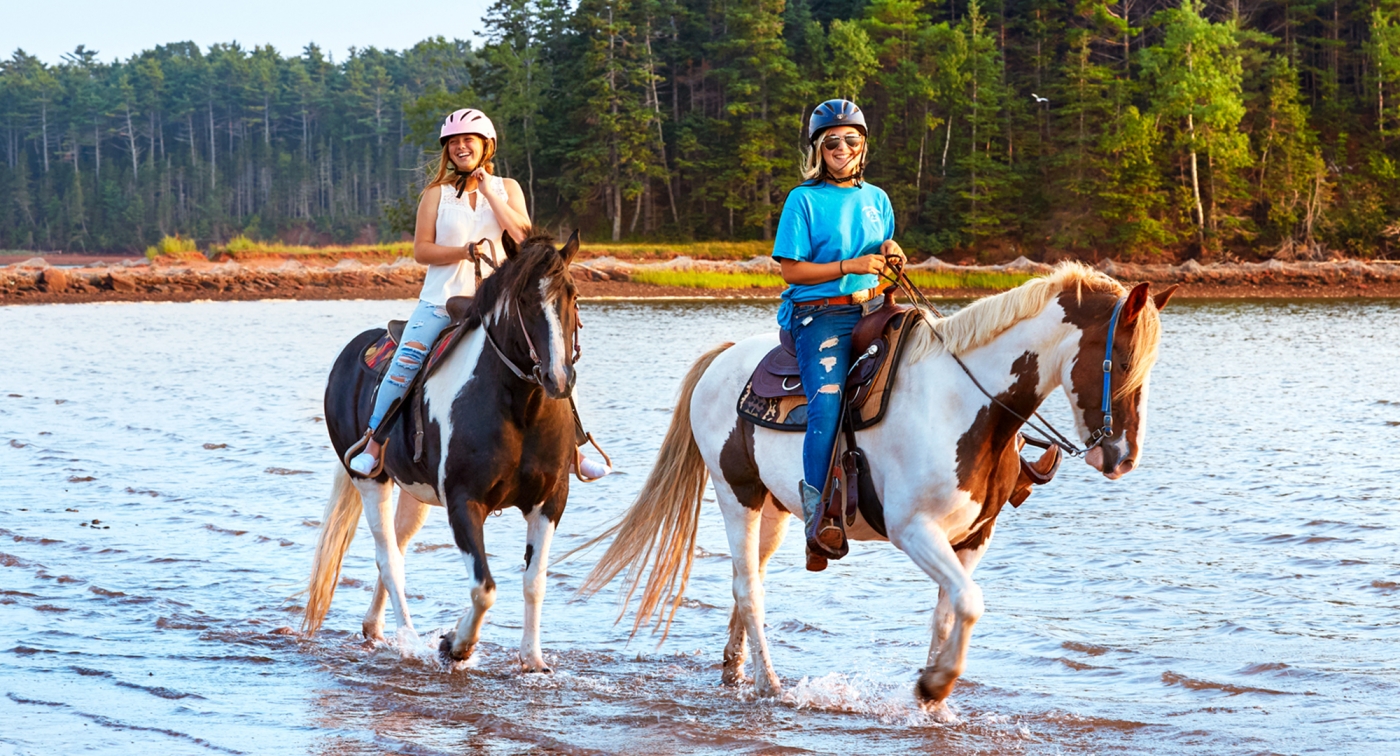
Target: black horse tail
x: 660, y: 525
x: 337, y: 531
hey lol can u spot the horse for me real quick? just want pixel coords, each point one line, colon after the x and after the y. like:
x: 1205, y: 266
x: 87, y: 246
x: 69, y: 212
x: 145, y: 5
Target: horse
x: 944, y: 459
x: 496, y: 435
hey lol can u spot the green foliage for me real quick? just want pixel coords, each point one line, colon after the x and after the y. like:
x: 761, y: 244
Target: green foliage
x: 991, y: 281
x: 1156, y: 127
x: 698, y: 279
x: 172, y: 246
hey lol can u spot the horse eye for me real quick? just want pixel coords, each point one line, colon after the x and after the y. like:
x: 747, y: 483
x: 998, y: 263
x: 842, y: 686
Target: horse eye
x: 1124, y: 366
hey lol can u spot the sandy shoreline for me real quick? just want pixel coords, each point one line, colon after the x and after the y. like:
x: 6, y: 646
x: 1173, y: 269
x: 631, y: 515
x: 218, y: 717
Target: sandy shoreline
x: 92, y: 279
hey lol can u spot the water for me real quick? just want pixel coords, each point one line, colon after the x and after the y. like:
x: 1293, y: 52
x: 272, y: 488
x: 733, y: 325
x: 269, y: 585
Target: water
x: 162, y: 468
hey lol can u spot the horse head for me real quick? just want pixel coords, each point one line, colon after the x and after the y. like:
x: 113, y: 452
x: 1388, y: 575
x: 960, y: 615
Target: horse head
x: 1113, y: 373
x: 531, y: 304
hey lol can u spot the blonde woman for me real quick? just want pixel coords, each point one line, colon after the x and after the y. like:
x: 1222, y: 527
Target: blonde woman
x: 465, y: 202
x: 834, y: 237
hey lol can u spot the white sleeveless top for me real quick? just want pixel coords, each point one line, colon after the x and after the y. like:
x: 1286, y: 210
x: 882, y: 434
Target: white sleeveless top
x: 458, y: 224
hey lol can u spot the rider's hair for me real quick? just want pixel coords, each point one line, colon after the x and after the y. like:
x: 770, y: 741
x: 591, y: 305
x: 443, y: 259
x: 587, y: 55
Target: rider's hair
x: 444, y: 171
x: 814, y: 168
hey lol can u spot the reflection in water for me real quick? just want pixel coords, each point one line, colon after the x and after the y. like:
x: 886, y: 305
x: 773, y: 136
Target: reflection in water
x: 165, y: 468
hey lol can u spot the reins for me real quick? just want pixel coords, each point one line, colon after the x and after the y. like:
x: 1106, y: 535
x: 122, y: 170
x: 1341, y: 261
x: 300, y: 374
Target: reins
x: 1051, y: 436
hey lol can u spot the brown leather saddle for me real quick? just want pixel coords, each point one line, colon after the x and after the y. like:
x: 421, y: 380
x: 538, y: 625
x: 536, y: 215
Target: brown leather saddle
x: 774, y: 397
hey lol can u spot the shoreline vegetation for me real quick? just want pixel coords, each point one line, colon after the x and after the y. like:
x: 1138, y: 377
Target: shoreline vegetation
x: 1148, y: 131
x: 632, y: 272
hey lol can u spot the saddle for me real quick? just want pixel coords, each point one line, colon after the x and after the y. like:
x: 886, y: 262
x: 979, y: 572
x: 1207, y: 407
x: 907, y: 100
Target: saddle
x: 774, y: 397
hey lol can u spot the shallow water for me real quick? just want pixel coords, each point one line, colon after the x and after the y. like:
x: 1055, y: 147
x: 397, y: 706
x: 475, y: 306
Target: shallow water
x: 163, y: 466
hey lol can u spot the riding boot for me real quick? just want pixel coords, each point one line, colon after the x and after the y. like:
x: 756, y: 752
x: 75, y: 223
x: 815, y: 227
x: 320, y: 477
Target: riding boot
x: 823, y: 533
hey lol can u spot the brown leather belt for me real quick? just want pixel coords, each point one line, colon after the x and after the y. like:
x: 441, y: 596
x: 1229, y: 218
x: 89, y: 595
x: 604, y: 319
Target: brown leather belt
x: 859, y: 297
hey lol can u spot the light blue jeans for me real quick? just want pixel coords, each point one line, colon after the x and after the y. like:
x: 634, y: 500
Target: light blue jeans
x: 424, y: 326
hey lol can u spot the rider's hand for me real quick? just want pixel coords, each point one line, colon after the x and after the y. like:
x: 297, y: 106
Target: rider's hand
x: 864, y: 265
x: 893, y: 252
x: 481, y: 177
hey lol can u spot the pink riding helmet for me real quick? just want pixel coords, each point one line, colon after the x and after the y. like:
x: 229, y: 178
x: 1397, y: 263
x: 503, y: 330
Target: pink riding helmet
x: 467, y: 121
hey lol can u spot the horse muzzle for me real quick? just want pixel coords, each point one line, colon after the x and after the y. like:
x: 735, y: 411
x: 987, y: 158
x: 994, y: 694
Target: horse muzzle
x: 1112, y: 459
x: 553, y: 388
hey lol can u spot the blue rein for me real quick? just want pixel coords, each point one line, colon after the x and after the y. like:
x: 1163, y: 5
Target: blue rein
x: 1106, y: 432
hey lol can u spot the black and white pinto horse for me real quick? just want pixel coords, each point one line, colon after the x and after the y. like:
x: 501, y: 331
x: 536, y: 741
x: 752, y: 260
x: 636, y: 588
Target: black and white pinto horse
x: 943, y: 461
x: 498, y: 435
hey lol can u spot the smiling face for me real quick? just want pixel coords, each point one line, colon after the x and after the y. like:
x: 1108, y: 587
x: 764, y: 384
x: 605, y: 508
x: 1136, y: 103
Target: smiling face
x: 840, y: 156
x: 466, y: 151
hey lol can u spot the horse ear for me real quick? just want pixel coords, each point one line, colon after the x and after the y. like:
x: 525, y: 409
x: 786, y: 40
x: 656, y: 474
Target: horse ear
x: 570, y: 248
x: 1137, y: 299
x: 1164, y: 296
x: 508, y: 244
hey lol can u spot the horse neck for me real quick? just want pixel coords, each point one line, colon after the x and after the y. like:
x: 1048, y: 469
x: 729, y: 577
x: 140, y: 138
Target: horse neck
x: 1027, y: 361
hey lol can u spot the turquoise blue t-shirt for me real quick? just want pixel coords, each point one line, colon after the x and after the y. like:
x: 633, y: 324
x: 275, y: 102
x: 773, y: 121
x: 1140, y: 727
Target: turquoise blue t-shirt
x: 822, y: 223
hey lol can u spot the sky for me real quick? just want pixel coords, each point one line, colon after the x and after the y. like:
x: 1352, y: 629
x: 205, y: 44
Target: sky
x: 116, y: 29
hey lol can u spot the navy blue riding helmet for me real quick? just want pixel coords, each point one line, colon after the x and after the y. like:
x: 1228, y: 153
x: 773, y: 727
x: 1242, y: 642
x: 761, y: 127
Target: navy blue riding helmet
x: 835, y: 113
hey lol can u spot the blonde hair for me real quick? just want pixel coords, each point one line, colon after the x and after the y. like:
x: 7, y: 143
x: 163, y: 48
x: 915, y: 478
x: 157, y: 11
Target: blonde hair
x: 984, y: 320
x: 445, y: 171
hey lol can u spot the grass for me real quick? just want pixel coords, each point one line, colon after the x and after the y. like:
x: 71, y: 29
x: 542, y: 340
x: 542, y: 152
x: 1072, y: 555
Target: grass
x: 241, y: 247
x: 743, y: 250
x: 926, y: 280
x: 698, y: 279
x: 932, y: 281
x: 174, y: 247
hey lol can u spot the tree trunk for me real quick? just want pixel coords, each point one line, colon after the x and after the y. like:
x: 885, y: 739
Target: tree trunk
x: 213, y: 151
x: 131, y: 142
x: 44, y: 120
x: 97, y: 145
x: 1195, y: 179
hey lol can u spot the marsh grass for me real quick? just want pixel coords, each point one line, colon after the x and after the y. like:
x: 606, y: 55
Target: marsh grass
x: 699, y: 279
x: 241, y: 247
x: 926, y: 280
x: 742, y: 250
x: 930, y: 280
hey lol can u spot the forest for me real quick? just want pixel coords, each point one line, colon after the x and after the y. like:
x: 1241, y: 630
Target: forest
x: 1134, y: 129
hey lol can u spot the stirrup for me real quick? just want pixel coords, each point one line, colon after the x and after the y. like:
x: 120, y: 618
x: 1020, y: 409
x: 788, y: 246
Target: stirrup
x: 578, y: 472
x: 354, y: 451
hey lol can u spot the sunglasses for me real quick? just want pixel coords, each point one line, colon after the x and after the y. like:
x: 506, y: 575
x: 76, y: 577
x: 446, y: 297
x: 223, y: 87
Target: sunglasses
x: 852, y: 140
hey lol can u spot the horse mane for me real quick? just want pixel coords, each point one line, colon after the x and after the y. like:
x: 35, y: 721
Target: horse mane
x: 536, y: 259
x: 984, y: 320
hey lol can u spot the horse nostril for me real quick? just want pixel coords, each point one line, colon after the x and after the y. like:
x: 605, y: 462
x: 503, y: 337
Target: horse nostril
x: 1126, y: 466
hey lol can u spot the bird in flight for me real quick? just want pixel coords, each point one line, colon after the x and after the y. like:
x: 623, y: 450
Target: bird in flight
x: 1039, y: 99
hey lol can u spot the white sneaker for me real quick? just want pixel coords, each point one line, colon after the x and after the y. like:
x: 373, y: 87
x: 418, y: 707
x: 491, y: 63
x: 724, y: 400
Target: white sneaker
x: 591, y: 469
x: 363, y: 463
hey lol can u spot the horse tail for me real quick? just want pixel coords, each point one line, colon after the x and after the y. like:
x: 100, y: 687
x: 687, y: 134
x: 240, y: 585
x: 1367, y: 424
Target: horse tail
x: 660, y: 525
x: 338, y: 525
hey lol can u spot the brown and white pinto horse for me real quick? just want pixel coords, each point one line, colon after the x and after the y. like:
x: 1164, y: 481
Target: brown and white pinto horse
x: 944, y: 460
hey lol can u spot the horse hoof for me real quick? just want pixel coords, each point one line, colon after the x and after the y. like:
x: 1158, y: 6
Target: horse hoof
x: 930, y: 692
x: 445, y: 654
x: 734, y: 680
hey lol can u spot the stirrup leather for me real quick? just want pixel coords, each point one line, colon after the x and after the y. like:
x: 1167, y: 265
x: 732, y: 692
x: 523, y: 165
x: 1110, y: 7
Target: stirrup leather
x: 354, y: 451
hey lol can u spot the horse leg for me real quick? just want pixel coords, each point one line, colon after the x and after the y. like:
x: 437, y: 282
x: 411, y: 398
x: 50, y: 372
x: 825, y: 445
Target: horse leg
x: 408, y: 519
x: 539, y: 531
x: 742, y: 525
x: 928, y: 547
x: 387, y: 556
x: 772, y: 528
x: 943, y: 616
x: 466, y: 519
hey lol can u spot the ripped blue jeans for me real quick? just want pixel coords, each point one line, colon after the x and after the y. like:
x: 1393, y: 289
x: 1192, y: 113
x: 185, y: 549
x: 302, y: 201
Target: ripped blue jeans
x: 822, y: 334
x: 424, y: 325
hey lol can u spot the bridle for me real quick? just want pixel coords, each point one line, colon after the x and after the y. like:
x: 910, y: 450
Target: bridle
x: 1050, y: 435
x: 536, y: 374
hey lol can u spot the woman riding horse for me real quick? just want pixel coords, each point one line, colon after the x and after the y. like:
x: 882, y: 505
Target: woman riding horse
x: 833, y: 241
x: 452, y: 220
